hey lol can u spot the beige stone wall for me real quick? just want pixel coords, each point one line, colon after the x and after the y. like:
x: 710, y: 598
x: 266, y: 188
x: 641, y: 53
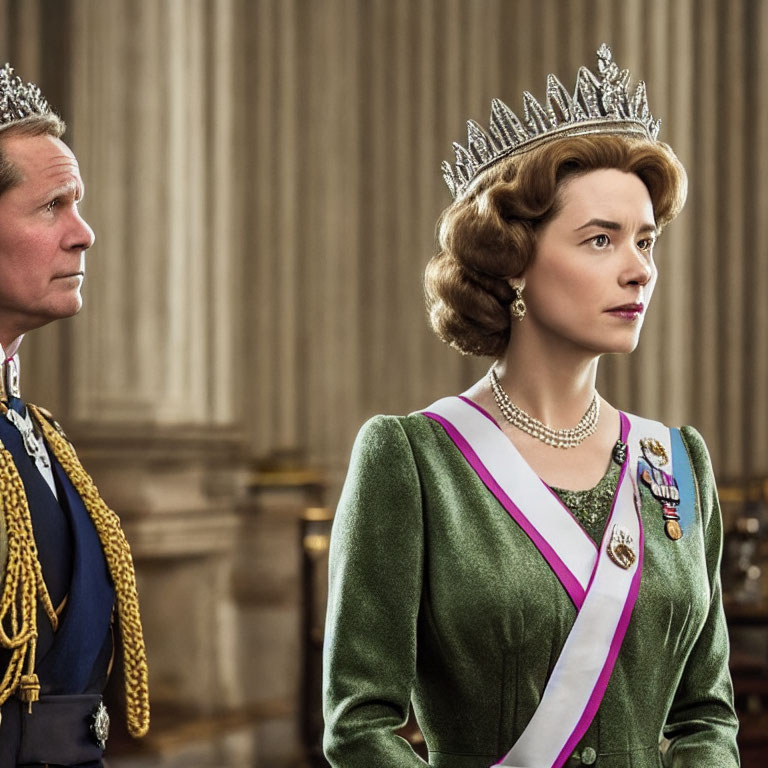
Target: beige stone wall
x: 263, y: 178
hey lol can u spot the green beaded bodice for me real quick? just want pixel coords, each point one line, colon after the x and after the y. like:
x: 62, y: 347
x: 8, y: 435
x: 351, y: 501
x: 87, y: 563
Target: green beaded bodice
x: 592, y: 507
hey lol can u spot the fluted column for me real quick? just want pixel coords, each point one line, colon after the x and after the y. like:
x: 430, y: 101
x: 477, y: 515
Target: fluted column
x: 151, y: 123
x: 756, y: 391
x: 146, y: 383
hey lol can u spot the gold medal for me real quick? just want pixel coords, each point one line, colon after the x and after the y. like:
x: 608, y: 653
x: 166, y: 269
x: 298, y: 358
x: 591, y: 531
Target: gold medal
x: 621, y: 547
x: 673, y: 530
x: 654, y: 452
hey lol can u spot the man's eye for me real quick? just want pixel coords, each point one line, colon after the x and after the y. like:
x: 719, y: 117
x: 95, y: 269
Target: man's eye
x: 646, y: 244
x: 52, y: 205
x: 601, y: 241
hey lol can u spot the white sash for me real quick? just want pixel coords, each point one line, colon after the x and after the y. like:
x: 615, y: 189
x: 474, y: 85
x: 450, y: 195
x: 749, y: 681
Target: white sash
x: 604, y: 593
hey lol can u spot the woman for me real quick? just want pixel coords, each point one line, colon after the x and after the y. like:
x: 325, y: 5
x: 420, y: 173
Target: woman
x: 545, y: 594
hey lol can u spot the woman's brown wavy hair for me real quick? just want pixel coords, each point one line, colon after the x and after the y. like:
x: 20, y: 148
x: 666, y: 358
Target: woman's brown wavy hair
x: 488, y: 236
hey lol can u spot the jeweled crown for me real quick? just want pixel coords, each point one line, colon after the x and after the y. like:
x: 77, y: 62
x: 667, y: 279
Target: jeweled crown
x: 17, y: 100
x: 599, y: 105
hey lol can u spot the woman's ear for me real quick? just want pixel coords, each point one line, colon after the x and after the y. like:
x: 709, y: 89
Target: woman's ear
x: 517, y: 283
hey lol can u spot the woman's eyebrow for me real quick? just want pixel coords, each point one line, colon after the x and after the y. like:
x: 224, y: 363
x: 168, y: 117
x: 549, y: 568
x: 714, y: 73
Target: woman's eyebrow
x: 613, y: 225
x: 604, y: 223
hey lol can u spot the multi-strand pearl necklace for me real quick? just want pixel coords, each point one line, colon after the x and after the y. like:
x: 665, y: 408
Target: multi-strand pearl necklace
x: 559, y: 438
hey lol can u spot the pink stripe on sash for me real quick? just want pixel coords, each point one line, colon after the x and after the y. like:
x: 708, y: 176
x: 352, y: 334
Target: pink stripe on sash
x: 479, y: 409
x: 605, y: 675
x: 567, y: 579
x: 585, y: 669
x: 596, y: 697
x: 493, y: 421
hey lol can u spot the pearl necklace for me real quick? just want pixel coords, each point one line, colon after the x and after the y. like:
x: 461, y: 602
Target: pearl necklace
x: 558, y: 438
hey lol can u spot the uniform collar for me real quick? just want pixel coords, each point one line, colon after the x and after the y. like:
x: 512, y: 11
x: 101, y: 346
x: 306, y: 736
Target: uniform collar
x: 10, y: 370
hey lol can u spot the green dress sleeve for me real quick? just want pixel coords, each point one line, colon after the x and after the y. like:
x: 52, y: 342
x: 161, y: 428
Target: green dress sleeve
x: 702, y: 724
x: 376, y: 558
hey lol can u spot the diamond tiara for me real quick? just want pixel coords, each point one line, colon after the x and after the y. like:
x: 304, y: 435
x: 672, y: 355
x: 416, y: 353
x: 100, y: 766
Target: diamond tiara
x: 17, y: 100
x: 599, y: 105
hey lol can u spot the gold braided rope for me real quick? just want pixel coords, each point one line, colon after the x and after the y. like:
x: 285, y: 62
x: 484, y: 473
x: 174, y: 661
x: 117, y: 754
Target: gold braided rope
x: 24, y: 580
x: 24, y: 587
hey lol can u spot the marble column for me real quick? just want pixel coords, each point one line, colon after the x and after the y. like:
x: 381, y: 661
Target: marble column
x: 144, y: 379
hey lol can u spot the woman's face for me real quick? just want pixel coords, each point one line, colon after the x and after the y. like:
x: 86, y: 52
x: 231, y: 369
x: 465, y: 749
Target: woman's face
x: 591, y: 280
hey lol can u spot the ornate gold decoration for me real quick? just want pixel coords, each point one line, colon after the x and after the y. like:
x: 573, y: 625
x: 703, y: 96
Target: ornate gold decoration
x: 673, y: 530
x: 24, y: 584
x: 517, y: 307
x: 620, y: 547
x: 24, y: 587
x: 654, y: 452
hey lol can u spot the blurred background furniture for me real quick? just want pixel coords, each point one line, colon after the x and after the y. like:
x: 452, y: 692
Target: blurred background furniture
x: 745, y: 591
x: 315, y: 539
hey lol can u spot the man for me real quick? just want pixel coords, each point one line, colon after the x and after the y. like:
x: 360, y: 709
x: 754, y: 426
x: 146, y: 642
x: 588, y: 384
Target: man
x: 65, y: 566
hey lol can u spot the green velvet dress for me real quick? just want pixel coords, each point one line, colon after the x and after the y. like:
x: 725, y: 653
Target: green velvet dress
x: 437, y: 598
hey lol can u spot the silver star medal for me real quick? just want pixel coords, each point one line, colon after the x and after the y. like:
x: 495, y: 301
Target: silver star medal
x: 33, y: 444
x: 100, y: 725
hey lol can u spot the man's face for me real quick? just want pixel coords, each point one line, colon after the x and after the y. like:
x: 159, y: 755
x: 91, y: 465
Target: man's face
x: 43, y: 238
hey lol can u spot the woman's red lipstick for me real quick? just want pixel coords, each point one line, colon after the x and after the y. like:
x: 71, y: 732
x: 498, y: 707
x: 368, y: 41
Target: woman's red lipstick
x: 627, y: 311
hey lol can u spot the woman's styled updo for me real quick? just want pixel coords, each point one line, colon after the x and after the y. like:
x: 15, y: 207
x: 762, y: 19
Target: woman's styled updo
x: 488, y: 236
